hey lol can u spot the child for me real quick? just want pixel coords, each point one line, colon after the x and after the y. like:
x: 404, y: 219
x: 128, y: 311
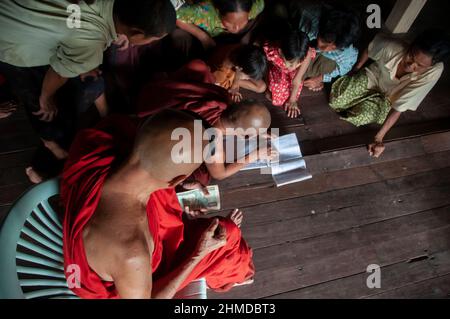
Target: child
x: 288, y: 62
x: 244, y: 66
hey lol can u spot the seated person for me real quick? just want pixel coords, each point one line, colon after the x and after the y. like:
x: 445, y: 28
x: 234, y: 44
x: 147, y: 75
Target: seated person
x: 237, y: 66
x: 288, y: 61
x: 332, y: 30
x: 123, y: 224
x: 207, y: 19
x: 192, y: 90
x: 397, y: 81
x: 43, y: 57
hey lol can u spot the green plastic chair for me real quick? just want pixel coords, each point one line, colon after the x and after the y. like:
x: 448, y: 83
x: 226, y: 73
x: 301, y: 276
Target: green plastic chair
x: 31, y: 253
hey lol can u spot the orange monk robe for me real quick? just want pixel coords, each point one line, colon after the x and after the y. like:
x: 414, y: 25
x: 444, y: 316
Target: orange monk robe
x: 92, y: 157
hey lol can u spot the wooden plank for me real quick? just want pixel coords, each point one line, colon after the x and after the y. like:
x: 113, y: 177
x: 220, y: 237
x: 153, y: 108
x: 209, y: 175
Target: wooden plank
x: 394, y: 192
x: 362, y: 138
x: 9, y: 194
x: 17, y: 141
x: 404, y: 14
x: 346, y: 159
x: 336, y: 180
x: 316, y: 222
x: 436, y: 288
x: 394, y: 278
x: 16, y: 159
x: 13, y: 175
x: 308, y: 262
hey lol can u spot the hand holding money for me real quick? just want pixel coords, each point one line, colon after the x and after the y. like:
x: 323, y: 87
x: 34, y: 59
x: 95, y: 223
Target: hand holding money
x: 195, y: 202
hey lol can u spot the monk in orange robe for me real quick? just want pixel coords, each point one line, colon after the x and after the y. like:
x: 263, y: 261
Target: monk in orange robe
x: 192, y: 89
x: 124, y: 227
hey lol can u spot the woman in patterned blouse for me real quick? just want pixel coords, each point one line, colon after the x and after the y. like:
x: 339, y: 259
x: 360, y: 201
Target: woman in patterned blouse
x: 209, y: 18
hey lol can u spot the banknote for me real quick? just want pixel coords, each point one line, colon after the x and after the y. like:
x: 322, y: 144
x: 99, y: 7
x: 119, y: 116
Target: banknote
x: 196, y: 199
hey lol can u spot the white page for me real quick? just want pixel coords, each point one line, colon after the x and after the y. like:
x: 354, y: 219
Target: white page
x: 298, y: 175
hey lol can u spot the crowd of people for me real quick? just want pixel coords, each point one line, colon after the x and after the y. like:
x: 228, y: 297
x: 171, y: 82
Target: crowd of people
x: 105, y: 95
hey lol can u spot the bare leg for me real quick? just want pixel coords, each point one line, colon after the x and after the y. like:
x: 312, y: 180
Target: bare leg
x: 101, y: 105
x: 59, y: 152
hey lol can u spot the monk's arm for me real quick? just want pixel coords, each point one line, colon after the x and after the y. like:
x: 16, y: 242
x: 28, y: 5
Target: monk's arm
x: 132, y: 273
x: 214, y: 237
x: 167, y: 287
x: 220, y: 170
x: 198, y: 33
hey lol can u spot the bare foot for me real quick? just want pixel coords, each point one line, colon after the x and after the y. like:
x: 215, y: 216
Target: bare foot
x: 247, y: 282
x: 268, y: 95
x: 57, y: 150
x: 236, y: 217
x: 33, y: 176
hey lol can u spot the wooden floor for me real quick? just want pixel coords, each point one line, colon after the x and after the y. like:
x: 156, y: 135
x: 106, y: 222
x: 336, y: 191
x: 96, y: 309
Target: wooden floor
x: 315, y: 239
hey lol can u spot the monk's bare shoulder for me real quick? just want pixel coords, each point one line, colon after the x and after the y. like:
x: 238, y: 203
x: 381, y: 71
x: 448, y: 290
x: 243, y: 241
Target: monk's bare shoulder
x: 118, y: 232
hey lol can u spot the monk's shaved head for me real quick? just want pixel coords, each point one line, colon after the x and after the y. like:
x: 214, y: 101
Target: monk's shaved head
x: 247, y: 114
x: 155, y: 143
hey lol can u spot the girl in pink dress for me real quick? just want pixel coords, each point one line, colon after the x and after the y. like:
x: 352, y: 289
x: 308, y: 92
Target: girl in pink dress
x: 288, y: 62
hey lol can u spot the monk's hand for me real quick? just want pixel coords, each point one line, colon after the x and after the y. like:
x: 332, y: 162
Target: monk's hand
x: 376, y: 149
x: 194, y: 214
x: 292, y: 109
x: 7, y: 108
x: 213, y: 238
x: 48, y: 109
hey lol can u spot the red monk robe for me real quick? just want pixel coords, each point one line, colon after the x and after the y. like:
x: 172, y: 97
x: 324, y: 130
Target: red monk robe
x: 93, y: 155
x: 191, y: 88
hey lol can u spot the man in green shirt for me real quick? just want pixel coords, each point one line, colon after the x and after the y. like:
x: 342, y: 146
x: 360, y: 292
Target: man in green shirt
x: 45, y: 45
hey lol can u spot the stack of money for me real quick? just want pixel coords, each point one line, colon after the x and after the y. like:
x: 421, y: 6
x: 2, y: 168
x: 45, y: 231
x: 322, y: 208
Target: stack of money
x: 196, y: 199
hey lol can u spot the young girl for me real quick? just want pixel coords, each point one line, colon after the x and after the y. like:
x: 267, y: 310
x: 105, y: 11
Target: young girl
x: 239, y: 66
x: 209, y: 18
x: 288, y: 62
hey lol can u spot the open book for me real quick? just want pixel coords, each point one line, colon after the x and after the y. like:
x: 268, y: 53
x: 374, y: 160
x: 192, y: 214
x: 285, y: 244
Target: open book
x: 290, y: 167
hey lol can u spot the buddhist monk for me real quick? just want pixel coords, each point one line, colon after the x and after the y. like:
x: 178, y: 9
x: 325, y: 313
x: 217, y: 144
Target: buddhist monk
x: 192, y: 89
x: 124, y: 227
